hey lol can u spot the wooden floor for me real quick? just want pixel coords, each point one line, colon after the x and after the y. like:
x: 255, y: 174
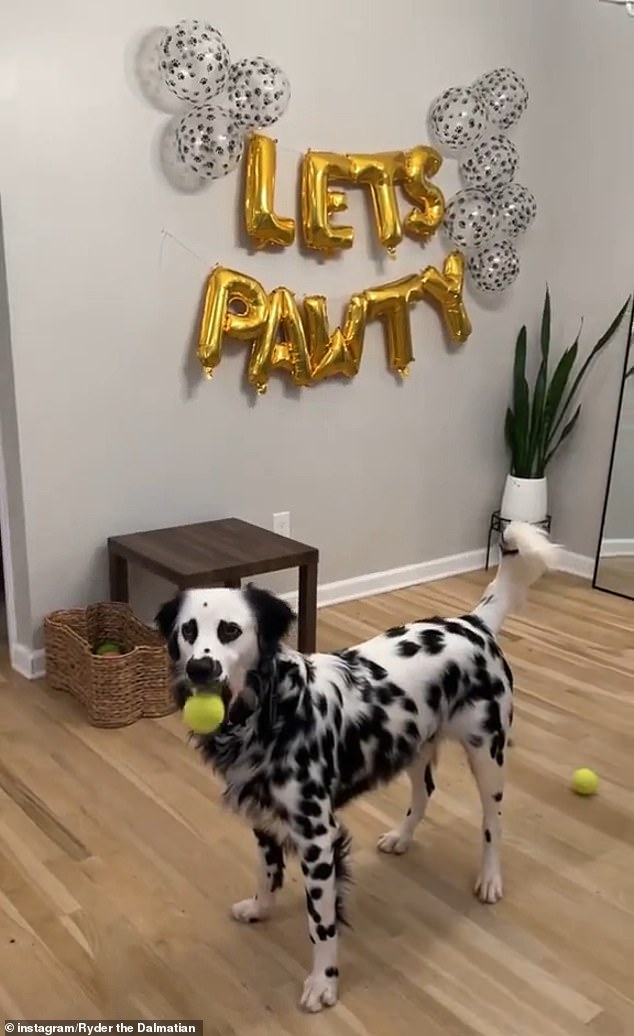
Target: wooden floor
x: 117, y: 866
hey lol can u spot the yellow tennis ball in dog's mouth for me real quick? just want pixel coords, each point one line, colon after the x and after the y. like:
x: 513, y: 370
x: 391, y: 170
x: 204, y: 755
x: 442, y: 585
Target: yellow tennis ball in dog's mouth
x: 203, y: 713
x: 585, y: 782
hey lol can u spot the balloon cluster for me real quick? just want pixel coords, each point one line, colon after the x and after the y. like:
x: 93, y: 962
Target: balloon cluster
x: 485, y: 218
x: 186, y: 70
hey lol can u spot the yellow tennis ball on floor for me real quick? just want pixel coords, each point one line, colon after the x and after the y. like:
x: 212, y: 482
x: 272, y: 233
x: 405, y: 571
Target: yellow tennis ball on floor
x: 585, y: 782
x: 203, y: 713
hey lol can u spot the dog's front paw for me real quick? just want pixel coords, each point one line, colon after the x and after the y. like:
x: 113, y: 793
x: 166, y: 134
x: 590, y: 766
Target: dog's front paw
x: 248, y: 911
x: 320, y: 990
x: 393, y: 842
x: 488, y: 887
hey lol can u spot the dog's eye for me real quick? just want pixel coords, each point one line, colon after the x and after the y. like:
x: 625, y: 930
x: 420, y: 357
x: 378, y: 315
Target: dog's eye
x: 228, y: 631
x: 189, y: 631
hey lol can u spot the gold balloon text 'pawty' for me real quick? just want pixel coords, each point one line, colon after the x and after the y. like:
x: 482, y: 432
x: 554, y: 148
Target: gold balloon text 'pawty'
x: 286, y: 335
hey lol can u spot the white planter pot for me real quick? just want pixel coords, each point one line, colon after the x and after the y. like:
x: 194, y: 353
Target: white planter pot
x: 524, y: 499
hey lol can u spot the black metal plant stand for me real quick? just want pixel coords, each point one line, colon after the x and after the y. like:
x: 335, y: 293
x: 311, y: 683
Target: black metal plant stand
x: 497, y: 525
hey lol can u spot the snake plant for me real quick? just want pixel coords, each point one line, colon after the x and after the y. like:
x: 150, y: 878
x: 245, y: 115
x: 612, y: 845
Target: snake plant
x: 538, y: 422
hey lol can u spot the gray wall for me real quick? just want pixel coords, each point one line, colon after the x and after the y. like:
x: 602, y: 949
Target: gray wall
x: 106, y: 265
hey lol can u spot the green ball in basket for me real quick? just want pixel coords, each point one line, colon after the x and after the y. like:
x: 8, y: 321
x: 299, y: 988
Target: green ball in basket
x: 108, y: 648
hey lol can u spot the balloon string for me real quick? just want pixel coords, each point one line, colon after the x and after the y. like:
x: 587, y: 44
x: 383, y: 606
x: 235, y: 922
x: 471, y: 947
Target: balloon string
x: 167, y: 237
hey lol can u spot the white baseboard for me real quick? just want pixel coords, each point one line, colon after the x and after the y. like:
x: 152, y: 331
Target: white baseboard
x: 32, y: 664
x: 577, y: 564
x: 28, y: 663
x: 617, y: 548
x: 394, y: 578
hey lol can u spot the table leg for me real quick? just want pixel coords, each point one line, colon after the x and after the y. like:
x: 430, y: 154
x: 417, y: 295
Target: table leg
x: 307, y: 609
x: 118, y: 567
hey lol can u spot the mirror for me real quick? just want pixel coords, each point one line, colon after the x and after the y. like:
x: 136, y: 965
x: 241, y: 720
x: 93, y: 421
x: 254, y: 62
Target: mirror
x: 614, y: 568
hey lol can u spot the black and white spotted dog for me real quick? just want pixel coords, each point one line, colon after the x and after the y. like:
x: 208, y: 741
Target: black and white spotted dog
x: 305, y: 734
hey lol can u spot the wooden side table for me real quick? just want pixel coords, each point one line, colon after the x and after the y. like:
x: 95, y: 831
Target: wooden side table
x: 220, y: 553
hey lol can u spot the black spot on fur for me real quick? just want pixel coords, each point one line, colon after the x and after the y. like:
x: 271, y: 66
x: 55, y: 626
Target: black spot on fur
x: 477, y: 622
x: 316, y: 892
x: 341, y: 851
x: 396, y: 631
x: 228, y: 632
x: 167, y: 615
x: 310, y: 808
x: 189, y: 631
x: 476, y: 740
x: 312, y: 854
x: 173, y: 648
x: 377, y: 672
x: 304, y: 826
x: 272, y: 614
x: 487, y: 835
x: 324, y: 932
x: 432, y: 641
x: 322, y: 871
x: 451, y: 681
x: 498, y: 796
x: 407, y: 648
x: 274, y: 858
x: 331, y: 972
x: 430, y: 787
x: 316, y: 916
x: 434, y: 697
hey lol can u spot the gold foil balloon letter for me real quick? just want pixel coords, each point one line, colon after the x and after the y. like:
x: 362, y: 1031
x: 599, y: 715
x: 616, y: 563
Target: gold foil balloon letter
x: 379, y: 173
x: 263, y: 226
x: 235, y: 305
x: 282, y: 343
x: 446, y: 289
x: 338, y: 353
x: 423, y: 221
x: 390, y: 303
x: 318, y: 202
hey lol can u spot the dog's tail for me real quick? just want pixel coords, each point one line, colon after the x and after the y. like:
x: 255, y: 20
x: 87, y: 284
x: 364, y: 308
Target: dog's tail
x: 527, y: 553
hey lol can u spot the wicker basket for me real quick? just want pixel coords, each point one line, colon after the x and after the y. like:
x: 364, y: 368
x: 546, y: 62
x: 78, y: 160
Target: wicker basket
x: 114, y: 690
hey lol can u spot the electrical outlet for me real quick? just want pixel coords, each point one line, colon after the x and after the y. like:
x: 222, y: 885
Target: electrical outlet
x: 282, y: 523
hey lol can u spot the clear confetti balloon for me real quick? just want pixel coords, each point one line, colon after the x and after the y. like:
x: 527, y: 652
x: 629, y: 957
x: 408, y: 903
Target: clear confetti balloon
x: 458, y: 118
x: 491, y: 164
x: 504, y: 95
x: 259, y: 92
x: 517, y: 207
x: 471, y: 219
x: 209, y: 141
x: 194, y: 60
x: 495, y: 268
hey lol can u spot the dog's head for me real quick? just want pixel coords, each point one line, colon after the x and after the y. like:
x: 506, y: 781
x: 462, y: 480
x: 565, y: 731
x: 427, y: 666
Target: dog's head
x: 221, y: 636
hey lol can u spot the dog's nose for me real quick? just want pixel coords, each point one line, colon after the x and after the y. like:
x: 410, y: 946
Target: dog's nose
x: 203, y: 670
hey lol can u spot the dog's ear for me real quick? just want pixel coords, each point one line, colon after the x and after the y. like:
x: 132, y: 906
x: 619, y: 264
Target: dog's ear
x: 165, y: 621
x: 273, y: 615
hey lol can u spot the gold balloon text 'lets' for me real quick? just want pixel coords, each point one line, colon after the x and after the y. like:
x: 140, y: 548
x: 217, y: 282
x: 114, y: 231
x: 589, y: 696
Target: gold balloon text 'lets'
x: 379, y: 173
x: 297, y: 338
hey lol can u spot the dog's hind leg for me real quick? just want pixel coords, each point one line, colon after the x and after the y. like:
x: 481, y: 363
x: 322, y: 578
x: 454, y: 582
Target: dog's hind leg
x: 421, y: 778
x: 488, y: 761
x: 270, y: 879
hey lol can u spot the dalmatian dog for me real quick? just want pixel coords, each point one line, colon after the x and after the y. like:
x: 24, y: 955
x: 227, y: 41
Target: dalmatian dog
x: 305, y: 734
